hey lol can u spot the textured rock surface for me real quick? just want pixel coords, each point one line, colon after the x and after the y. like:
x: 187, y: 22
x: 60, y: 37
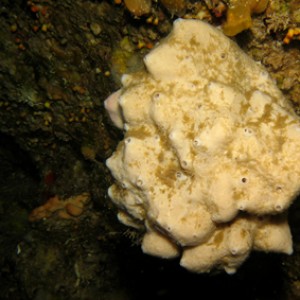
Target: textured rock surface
x: 208, y: 154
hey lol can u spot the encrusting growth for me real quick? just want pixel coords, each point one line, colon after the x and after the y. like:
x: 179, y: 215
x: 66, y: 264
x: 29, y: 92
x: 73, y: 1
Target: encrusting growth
x: 209, y: 163
x: 239, y: 15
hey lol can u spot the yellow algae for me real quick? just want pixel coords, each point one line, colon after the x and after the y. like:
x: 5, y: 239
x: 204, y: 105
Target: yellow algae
x: 239, y: 15
x: 138, y: 7
x: 218, y: 239
x: 140, y: 132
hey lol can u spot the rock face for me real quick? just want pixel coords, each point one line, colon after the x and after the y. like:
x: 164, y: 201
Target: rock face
x: 209, y: 162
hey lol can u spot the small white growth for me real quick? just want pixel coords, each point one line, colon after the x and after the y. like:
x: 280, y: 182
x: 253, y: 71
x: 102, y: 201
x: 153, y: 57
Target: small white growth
x: 139, y: 182
x: 207, y: 136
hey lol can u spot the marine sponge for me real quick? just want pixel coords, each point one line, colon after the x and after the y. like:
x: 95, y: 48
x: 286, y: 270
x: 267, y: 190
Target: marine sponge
x: 209, y: 161
x: 239, y: 15
x: 66, y: 209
